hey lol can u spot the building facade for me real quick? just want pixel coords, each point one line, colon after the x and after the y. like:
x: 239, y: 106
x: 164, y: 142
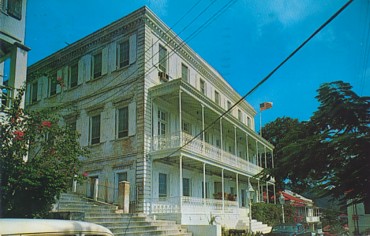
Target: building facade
x: 13, y: 52
x: 155, y: 114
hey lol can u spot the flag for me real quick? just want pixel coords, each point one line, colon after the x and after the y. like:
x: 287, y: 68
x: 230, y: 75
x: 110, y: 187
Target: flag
x: 265, y: 106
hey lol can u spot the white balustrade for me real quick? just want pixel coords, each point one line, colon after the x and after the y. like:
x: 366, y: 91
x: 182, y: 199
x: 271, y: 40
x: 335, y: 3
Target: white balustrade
x: 196, y: 145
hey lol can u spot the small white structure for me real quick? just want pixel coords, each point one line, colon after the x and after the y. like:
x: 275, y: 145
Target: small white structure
x: 140, y: 98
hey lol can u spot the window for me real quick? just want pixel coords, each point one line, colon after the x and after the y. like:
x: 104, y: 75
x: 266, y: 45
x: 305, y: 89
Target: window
x: 184, y: 73
x: 186, y: 187
x: 122, y: 120
x: 123, y: 54
x: 207, y: 190
x: 240, y: 117
x: 95, y: 129
x: 162, y: 59
x: 15, y: 8
x: 53, y: 85
x: 217, y: 98
x: 73, y: 76
x: 228, y: 105
x: 162, y: 122
x: 34, y: 88
x: 97, y: 65
x: 186, y: 127
x: 72, y: 125
x: 162, y: 181
x: 248, y: 121
x: 202, y: 86
x: 217, y: 187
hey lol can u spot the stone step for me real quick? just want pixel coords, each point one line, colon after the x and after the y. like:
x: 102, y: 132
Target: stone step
x: 120, y: 224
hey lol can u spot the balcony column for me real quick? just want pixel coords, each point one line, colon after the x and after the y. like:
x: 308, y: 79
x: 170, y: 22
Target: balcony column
x: 203, y: 133
x: 181, y: 183
x: 258, y: 191
x: 204, y: 183
x: 180, y: 120
x: 237, y: 187
x: 223, y: 191
x: 221, y: 144
x: 235, y: 143
x: 265, y: 157
x: 257, y: 160
x: 246, y: 138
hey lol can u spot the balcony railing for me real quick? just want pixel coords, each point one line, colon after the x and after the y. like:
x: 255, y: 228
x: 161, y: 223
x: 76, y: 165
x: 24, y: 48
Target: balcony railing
x: 193, y: 205
x: 199, y: 147
x: 6, y: 94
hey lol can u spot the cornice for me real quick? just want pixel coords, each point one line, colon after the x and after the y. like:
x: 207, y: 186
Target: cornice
x: 87, y: 44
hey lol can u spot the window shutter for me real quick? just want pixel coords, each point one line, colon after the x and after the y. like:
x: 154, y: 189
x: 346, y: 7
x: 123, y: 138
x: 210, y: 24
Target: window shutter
x: 112, y: 57
x: 66, y: 75
x: 59, y: 75
x: 39, y: 88
x: 81, y: 68
x: 104, y: 61
x: 28, y: 94
x: 132, y: 43
x: 155, y: 52
x: 132, y: 119
x: 45, y: 86
x: 87, y: 67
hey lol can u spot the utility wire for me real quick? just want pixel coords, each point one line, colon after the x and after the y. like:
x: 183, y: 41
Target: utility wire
x: 166, y: 44
x: 267, y: 77
x: 197, y: 31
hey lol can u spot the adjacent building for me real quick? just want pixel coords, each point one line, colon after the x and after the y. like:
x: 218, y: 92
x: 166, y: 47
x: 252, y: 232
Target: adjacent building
x: 155, y: 114
x: 13, y: 52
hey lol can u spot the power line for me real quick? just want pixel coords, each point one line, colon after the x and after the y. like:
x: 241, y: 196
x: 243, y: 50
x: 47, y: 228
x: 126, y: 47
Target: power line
x: 267, y: 77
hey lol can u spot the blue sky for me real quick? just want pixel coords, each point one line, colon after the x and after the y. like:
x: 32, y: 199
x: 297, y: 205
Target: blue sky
x: 244, y: 43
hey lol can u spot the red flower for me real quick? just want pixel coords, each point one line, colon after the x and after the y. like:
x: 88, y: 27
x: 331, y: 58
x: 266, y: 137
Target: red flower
x: 46, y: 123
x: 85, y: 174
x: 60, y: 81
x: 18, y: 134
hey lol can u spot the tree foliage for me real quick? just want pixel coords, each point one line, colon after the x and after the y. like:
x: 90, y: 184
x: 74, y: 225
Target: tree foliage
x: 329, y: 153
x: 38, y: 160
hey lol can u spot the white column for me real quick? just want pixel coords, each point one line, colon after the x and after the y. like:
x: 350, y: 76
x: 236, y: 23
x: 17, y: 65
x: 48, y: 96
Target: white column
x: 181, y: 183
x: 265, y: 157
x: 203, y: 133
x: 204, y: 181
x: 258, y: 191
x: 221, y: 144
x: 180, y: 120
x: 223, y: 191
x: 272, y: 159
x: 257, y: 160
x: 246, y: 138
x: 235, y: 143
x: 237, y: 188
x: 96, y: 190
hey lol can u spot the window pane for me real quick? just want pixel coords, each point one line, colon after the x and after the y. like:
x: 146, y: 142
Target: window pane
x: 124, y: 54
x: 34, y: 92
x: 53, y: 85
x: 162, y: 185
x: 74, y: 76
x: 95, y: 129
x: 186, y: 187
x: 123, y: 122
x: 15, y: 8
x: 97, y: 65
x: 184, y: 72
x: 162, y: 58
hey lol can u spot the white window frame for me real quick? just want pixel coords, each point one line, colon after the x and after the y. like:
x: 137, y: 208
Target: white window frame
x: 91, y: 129
x: 160, y: 188
x: 74, y: 65
x: 125, y: 132
x: 127, y: 60
x: 184, y: 68
x: 93, y: 58
x: 162, y: 59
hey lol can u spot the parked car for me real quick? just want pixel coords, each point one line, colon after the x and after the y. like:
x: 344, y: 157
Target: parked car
x: 42, y: 227
x: 295, y: 229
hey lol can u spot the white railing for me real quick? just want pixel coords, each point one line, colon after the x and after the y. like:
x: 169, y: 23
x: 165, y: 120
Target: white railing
x: 197, y: 146
x: 193, y: 205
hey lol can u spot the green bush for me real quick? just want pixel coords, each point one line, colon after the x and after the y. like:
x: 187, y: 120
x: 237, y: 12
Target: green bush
x: 271, y: 214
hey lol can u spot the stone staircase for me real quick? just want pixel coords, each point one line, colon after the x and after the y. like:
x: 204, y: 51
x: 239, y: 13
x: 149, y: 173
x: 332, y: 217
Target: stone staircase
x: 136, y: 224
x: 257, y: 226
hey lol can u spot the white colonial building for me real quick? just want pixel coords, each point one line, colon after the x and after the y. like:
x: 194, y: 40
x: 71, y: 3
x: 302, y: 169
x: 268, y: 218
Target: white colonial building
x: 13, y: 52
x: 140, y: 98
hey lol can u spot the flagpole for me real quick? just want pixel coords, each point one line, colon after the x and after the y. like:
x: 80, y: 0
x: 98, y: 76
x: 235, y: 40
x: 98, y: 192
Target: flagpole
x: 260, y: 123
